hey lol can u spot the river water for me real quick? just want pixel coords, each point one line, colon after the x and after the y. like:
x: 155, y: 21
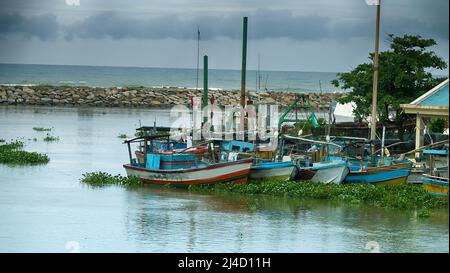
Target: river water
x: 46, y: 209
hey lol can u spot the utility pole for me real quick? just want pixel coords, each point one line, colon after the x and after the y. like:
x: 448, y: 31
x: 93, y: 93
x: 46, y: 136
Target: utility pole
x: 244, y: 67
x: 198, y: 54
x: 373, y: 128
x: 244, y: 61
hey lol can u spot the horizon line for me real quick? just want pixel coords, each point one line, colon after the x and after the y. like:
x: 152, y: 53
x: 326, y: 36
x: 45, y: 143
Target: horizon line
x: 159, y: 67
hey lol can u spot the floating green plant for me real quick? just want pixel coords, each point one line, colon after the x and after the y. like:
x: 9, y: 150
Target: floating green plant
x: 122, y: 136
x: 2, y: 140
x: 100, y: 179
x: 12, y: 153
x: 50, y: 138
x: 42, y: 129
x: 403, y: 196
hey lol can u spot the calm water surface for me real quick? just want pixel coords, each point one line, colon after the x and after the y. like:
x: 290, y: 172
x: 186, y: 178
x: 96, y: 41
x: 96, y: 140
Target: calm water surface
x: 46, y: 208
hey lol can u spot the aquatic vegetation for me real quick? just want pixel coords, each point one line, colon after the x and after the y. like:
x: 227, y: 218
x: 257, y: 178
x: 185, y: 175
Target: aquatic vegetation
x: 403, y: 196
x: 2, y: 140
x: 12, y: 153
x: 100, y: 179
x: 50, y: 138
x: 122, y: 136
x: 42, y: 129
x: 141, y: 134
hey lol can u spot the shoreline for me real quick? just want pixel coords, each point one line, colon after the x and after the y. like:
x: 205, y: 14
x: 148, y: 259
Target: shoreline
x: 144, y: 97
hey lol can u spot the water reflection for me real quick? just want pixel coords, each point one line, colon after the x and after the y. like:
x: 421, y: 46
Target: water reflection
x: 186, y: 221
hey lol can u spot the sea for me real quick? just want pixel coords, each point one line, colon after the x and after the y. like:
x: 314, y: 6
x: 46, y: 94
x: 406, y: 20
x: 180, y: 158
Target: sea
x: 220, y: 79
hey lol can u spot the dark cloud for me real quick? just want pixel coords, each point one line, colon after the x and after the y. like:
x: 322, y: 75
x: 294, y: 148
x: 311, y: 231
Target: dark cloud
x: 263, y: 24
x: 44, y: 26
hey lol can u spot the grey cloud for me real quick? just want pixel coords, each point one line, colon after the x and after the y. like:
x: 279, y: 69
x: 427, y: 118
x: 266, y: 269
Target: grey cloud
x: 44, y: 26
x: 263, y: 24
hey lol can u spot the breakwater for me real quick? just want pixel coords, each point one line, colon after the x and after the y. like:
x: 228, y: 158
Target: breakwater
x: 142, y: 96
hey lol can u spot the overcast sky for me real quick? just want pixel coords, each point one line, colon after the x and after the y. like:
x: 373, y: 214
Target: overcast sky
x: 297, y: 35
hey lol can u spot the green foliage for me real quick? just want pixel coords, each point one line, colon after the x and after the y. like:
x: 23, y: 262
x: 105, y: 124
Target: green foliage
x: 50, y: 138
x: 403, y: 76
x: 404, y: 196
x: 100, y: 179
x: 12, y: 153
x: 141, y: 134
x: 122, y: 136
x: 307, y: 127
x: 41, y: 129
x: 437, y: 125
x: 2, y: 140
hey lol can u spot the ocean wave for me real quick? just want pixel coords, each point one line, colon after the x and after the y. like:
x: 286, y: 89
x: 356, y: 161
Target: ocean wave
x: 72, y: 82
x: 18, y: 84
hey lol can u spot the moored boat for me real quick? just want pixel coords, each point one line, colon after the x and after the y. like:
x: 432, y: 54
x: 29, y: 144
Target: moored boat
x: 435, y: 182
x: 271, y: 169
x: 183, y: 169
x: 315, y: 165
x: 323, y: 172
x: 435, y: 186
x: 392, y: 174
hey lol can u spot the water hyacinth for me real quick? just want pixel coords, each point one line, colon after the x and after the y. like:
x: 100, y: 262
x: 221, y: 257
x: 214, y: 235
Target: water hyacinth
x: 50, y: 138
x: 403, y: 196
x: 41, y: 129
x: 100, y: 179
x: 12, y: 153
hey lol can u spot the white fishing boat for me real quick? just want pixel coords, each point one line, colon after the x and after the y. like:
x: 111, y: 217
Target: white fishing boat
x: 325, y: 172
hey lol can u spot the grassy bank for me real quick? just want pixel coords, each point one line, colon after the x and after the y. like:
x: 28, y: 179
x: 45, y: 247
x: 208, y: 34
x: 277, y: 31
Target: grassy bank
x: 13, y: 153
x: 405, y: 196
x: 101, y: 179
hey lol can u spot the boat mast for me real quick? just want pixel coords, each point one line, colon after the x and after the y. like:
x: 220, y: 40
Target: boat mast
x: 243, y: 76
x: 373, y: 128
x: 198, y: 54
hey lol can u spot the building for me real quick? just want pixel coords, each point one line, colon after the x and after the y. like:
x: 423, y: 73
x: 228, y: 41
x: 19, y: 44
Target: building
x: 433, y: 103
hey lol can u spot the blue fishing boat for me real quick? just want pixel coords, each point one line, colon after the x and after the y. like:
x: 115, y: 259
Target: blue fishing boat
x: 435, y: 182
x: 396, y: 173
x: 271, y: 169
x: 370, y: 169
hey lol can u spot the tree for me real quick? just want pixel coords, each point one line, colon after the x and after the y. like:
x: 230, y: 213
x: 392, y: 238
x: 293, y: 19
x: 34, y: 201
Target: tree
x: 437, y: 125
x: 404, y: 74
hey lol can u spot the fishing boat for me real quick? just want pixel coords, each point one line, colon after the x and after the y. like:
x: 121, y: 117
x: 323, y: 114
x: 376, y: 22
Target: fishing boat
x: 271, y: 169
x: 263, y: 166
x: 370, y: 169
x: 396, y: 173
x: 435, y: 182
x: 325, y: 172
x: 315, y: 165
x: 166, y: 167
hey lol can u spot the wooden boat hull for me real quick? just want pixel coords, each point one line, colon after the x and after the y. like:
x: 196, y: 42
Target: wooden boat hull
x: 385, y: 175
x: 436, y: 186
x: 265, y: 170
x: 228, y: 172
x: 323, y: 172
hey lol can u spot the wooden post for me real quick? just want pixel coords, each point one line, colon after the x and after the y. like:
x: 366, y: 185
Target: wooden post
x: 129, y: 152
x: 419, y: 134
x: 373, y: 128
x: 382, y: 146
